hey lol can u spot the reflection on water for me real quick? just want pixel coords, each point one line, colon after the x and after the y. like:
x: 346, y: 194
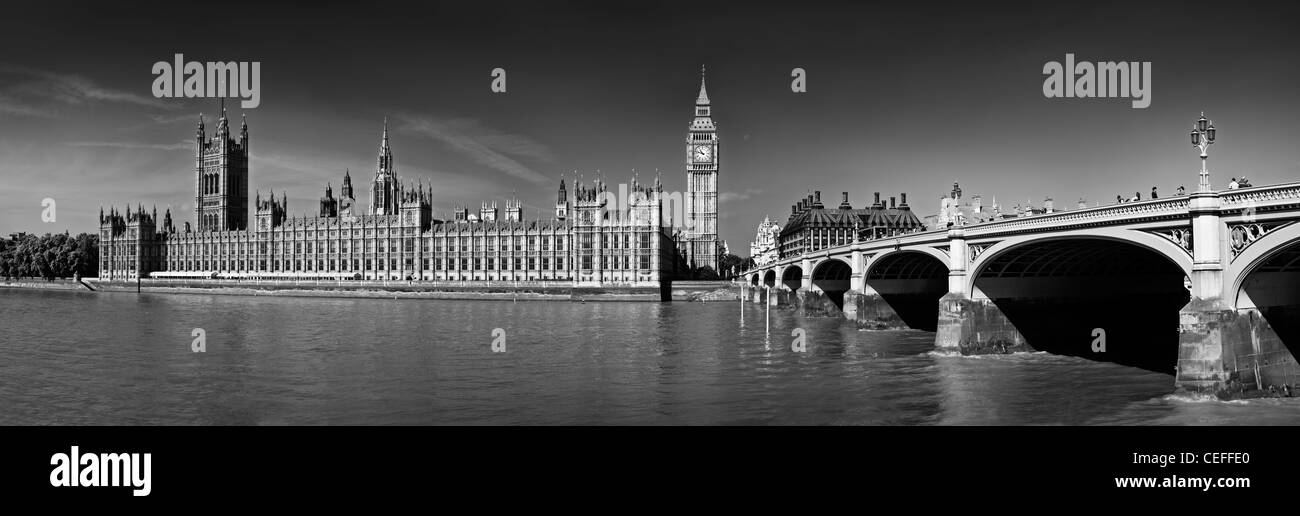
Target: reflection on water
x: 121, y: 358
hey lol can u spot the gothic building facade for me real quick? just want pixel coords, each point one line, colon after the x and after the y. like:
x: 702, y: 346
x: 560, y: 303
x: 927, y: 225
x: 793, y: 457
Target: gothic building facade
x: 221, y: 178
x: 763, y: 250
x: 584, y: 242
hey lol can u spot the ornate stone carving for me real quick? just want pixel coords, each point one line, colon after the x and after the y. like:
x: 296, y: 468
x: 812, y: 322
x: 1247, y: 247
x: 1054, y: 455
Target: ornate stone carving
x: 977, y: 249
x: 1240, y: 236
x: 1263, y: 194
x: 1180, y: 236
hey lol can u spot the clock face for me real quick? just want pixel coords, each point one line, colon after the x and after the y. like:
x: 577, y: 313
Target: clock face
x: 703, y: 153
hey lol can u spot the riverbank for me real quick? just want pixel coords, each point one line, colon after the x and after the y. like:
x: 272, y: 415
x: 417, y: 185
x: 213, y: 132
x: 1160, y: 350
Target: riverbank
x: 524, y: 291
x: 58, y: 284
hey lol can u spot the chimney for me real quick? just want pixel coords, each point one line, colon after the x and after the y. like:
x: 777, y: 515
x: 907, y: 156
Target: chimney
x: 794, y: 208
x: 844, y: 202
x: 977, y: 204
x: 891, y: 202
x: 877, y: 203
x: 903, y: 205
x: 1048, y: 205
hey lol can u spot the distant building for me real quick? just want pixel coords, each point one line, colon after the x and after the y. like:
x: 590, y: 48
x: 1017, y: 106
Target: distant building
x: 398, y: 239
x: 954, y: 210
x: 699, y: 242
x: 812, y: 226
x: 763, y: 250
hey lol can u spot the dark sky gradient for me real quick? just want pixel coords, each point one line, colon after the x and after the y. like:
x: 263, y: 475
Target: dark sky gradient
x: 900, y: 99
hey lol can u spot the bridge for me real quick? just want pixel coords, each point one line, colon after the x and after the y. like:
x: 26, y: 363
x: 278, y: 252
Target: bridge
x: 1204, y: 286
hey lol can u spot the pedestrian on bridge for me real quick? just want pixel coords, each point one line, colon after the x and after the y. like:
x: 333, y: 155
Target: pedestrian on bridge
x: 1153, y: 193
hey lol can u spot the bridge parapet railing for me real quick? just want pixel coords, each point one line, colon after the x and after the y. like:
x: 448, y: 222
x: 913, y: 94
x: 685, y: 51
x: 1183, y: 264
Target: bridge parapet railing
x: 1117, y: 212
x: 1259, y: 195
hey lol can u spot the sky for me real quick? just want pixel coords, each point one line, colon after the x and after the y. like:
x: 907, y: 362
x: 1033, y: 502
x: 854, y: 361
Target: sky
x: 899, y: 99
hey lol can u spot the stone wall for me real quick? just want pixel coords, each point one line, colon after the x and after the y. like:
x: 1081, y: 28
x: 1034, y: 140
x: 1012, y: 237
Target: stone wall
x: 976, y: 327
x: 1235, y: 354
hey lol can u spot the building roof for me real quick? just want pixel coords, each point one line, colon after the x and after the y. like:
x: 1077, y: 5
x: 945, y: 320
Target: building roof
x: 876, y: 216
x: 451, y: 226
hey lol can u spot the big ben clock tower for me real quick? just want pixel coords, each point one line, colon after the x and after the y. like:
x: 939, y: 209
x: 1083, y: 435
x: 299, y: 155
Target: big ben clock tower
x: 702, y: 160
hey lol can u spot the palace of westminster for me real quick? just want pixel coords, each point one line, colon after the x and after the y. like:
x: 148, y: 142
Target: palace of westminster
x: 398, y: 239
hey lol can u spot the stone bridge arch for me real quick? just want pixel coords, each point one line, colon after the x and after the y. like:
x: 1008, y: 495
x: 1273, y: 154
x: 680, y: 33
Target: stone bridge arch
x: 1271, y: 254
x: 927, y: 250
x: 1063, y: 292
x: 833, y: 277
x: 1264, y: 292
x: 1155, y: 243
x: 792, y: 277
x: 901, y: 288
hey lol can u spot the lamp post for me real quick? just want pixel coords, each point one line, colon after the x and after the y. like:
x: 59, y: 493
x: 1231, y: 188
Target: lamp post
x: 1202, y: 138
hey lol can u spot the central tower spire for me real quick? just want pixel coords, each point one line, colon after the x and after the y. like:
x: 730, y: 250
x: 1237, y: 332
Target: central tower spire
x: 385, y: 154
x: 703, y: 99
x: 385, y: 190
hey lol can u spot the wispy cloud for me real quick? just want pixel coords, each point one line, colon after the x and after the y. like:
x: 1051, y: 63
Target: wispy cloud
x: 137, y: 145
x: 163, y: 120
x: 739, y: 196
x: 32, y: 92
x: 12, y: 106
x: 494, y: 149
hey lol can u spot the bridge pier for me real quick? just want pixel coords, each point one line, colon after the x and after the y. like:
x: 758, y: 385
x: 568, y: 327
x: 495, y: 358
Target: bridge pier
x: 1224, y: 351
x: 976, y: 327
x: 815, y: 303
x: 1232, y: 354
x: 779, y: 297
x: 869, y: 310
x: 971, y: 326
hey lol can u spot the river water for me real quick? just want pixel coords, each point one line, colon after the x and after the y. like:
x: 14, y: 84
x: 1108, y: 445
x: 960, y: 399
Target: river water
x: 122, y: 358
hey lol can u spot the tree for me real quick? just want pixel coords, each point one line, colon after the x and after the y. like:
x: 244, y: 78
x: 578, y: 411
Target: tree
x: 49, y: 256
x: 730, y: 265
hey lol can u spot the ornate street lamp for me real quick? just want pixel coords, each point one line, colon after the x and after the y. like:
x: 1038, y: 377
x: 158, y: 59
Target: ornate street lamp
x: 1202, y: 138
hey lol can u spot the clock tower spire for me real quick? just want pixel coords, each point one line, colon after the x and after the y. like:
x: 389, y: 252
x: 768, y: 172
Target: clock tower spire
x: 702, y: 163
